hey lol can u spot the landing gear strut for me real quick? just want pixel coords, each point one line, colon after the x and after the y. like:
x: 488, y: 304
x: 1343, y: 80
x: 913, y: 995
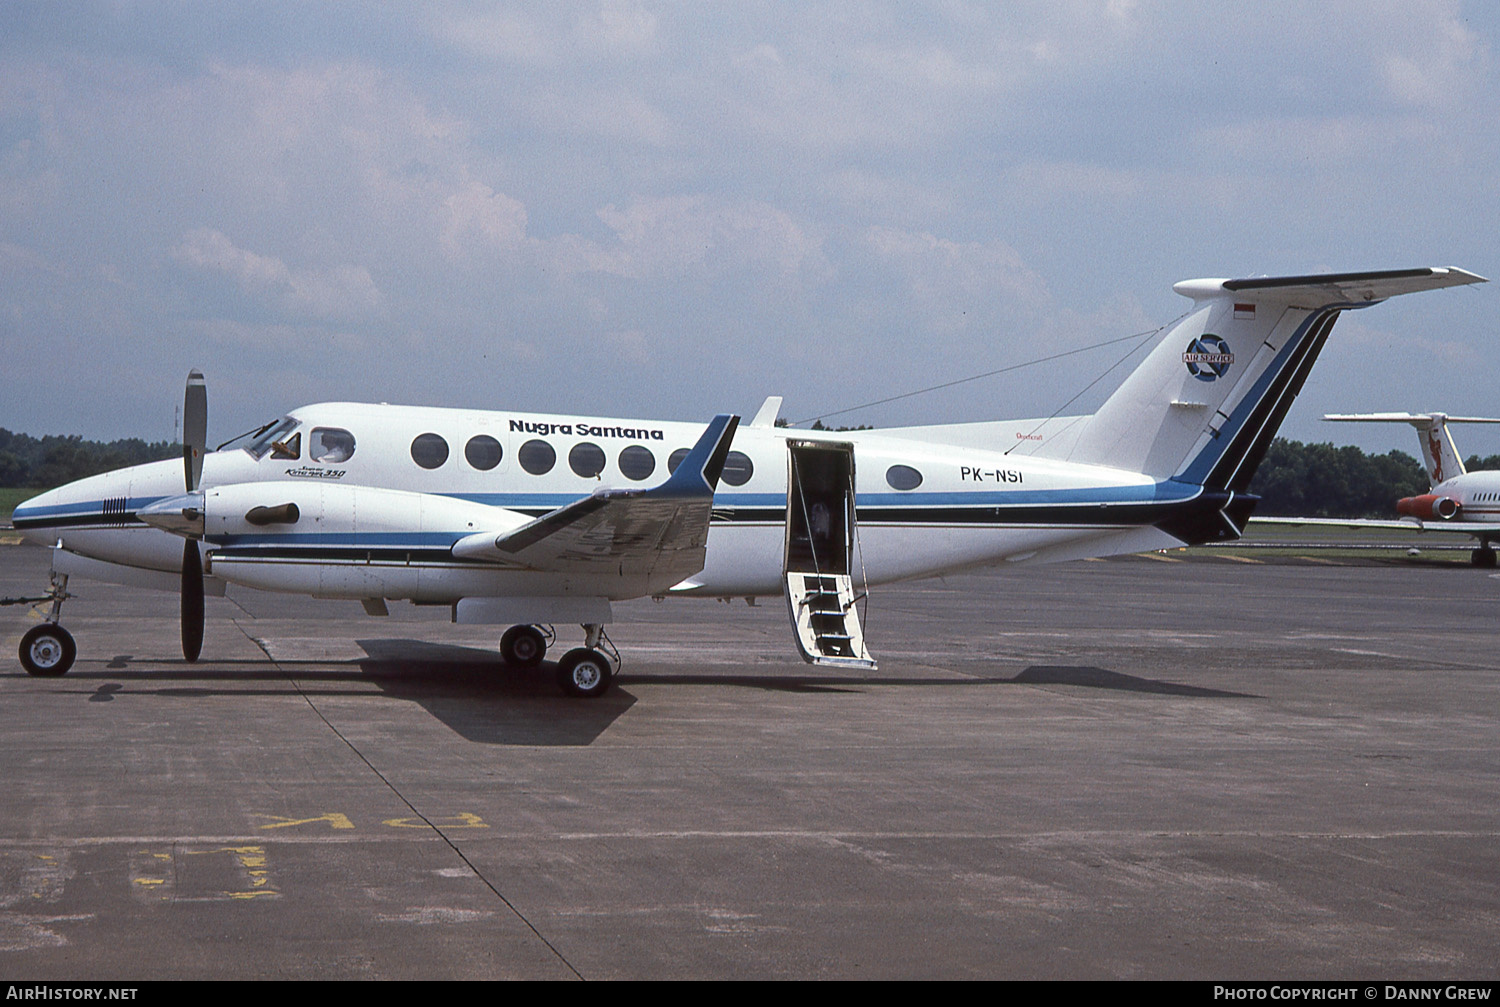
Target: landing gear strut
x: 48, y: 650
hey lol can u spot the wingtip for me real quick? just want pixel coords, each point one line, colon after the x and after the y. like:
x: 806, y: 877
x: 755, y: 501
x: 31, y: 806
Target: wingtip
x: 704, y: 464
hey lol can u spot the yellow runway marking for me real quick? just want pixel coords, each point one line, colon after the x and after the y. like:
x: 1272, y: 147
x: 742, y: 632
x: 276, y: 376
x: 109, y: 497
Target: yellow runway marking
x: 1241, y: 559
x: 333, y: 818
x: 462, y: 820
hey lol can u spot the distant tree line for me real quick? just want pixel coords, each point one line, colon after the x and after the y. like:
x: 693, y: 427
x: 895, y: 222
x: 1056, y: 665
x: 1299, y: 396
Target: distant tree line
x: 50, y: 461
x: 1295, y: 480
x: 1322, y: 480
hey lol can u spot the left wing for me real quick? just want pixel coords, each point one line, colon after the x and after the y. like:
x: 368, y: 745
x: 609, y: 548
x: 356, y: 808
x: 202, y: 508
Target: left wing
x: 1479, y: 529
x: 661, y: 532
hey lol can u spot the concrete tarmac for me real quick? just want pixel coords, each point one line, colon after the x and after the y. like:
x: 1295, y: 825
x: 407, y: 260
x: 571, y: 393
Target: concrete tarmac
x: 1139, y: 768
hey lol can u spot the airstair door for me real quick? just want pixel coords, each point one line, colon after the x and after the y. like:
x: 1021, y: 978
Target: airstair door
x: 820, y: 543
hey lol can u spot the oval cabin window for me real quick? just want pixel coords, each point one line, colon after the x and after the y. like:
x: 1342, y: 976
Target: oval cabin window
x: 903, y: 477
x: 637, y: 463
x: 429, y: 450
x: 483, y: 452
x: 586, y: 459
x: 537, y: 457
x: 738, y: 468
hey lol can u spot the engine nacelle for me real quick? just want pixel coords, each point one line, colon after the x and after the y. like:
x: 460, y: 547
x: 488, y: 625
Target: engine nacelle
x: 337, y: 541
x: 1429, y: 507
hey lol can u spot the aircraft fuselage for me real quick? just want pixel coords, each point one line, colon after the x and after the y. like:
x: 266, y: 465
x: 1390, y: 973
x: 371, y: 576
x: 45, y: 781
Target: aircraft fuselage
x: 924, y: 507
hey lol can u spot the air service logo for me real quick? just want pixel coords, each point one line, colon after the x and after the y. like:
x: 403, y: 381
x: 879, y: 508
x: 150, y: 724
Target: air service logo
x: 1207, y: 358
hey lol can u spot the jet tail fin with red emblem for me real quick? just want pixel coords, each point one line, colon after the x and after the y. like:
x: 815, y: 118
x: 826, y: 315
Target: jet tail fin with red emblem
x: 1439, y: 454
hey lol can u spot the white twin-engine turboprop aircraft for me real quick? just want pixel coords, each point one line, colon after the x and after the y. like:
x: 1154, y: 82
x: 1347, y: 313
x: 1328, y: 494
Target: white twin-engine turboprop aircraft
x: 527, y: 520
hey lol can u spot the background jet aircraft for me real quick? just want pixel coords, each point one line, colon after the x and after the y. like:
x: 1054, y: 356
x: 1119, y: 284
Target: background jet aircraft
x: 531, y: 519
x: 1456, y: 501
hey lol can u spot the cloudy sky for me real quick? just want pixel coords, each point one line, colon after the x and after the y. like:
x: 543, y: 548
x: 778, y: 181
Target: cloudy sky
x: 672, y: 209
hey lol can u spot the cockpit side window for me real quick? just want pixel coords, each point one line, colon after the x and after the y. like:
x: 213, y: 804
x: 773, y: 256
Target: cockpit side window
x: 269, y: 437
x: 330, y: 444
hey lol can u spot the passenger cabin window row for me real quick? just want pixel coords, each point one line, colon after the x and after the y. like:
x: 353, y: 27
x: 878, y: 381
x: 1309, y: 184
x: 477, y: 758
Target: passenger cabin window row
x: 585, y: 458
x: 334, y: 445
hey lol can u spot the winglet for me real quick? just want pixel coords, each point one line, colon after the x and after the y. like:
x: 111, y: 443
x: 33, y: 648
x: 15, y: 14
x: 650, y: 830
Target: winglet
x: 705, y: 462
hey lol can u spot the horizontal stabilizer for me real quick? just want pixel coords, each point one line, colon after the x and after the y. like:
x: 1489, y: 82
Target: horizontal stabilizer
x: 1415, y: 419
x: 1348, y: 288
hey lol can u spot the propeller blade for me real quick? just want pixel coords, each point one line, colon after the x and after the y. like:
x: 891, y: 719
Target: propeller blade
x: 194, y: 428
x: 192, y: 601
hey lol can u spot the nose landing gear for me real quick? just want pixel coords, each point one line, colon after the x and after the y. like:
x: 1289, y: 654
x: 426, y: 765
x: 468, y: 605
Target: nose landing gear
x: 48, y: 650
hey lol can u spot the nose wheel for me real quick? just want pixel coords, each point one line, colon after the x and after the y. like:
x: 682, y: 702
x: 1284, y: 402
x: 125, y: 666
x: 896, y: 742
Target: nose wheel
x: 47, y: 650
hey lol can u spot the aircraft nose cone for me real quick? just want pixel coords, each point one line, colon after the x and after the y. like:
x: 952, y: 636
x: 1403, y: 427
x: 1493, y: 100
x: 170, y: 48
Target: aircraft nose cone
x: 39, y: 517
x: 30, y: 509
x: 180, y: 515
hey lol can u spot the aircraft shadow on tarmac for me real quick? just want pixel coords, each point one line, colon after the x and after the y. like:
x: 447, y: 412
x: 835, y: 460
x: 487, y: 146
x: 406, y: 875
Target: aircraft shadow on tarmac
x: 1084, y: 677
x: 469, y: 691
x: 1103, y: 678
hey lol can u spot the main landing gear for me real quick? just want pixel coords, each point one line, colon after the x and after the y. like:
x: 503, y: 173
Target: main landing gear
x: 1483, y: 557
x: 48, y: 650
x: 524, y: 646
x: 586, y: 672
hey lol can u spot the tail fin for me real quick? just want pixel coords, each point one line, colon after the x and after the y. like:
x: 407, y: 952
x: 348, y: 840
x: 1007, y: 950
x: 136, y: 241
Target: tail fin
x: 1439, y: 453
x: 1205, y: 404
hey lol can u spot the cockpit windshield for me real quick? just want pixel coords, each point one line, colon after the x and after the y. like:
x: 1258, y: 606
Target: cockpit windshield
x: 266, y: 438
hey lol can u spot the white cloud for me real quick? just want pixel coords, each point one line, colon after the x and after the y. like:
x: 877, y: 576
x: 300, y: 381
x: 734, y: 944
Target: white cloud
x: 939, y: 270
x: 341, y: 291
x: 595, y: 112
x: 619, y: 26
x: 677, y: 235
x: 606, y: 30
x: 1440, y: 63
x: 497, y: 34
x: 477, y: 213
x: 792, y: 184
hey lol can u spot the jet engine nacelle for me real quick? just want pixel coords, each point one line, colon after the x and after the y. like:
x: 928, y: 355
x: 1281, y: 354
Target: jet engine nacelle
x: 336, y: 541
x: 1429, y: 507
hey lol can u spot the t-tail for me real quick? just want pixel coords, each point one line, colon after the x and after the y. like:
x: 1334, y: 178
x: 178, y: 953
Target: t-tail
x: 1439, y: 454
x: 1203, y: 407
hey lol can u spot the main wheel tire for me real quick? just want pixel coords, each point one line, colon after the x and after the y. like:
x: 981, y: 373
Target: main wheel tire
x: 47, y: 650
x: 523, y: 647
x: 1483, y: 558
x: 584, y: 673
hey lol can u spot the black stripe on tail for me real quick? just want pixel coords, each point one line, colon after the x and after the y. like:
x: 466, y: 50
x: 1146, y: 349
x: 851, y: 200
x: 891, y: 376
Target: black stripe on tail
x: 1242, y: 456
